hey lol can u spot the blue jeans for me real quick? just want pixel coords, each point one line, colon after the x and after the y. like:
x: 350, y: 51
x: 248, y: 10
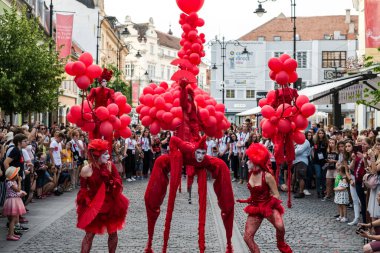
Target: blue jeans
x: 318, y: 177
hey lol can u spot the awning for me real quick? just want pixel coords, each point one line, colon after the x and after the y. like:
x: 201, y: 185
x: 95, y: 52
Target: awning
x: 253, y: 111
x: 313, y: 92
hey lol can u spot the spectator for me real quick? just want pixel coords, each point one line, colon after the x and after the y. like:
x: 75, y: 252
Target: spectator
x: 302, y: 152
x: 165, y: 139
x: 146, y: 146
x: 374, y: 245
x: 332, y: 159
x: 129, y: 154
x: 310, y: 167
x: 341, y: 194
x: 374, y: 168
x: 233, y: 156
x: 319, y: 160
x: 223, y: 148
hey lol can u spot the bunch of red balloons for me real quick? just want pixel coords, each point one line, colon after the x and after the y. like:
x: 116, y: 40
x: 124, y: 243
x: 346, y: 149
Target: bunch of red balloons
x: 160, y: 109
x: 112, y: 120
x: 84, y: 71
x: 283, y: 69
x: 192, y: 42
x: 286, y: 118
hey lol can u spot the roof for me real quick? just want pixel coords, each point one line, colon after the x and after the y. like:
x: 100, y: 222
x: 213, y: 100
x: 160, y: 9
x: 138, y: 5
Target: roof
x: 308, y: 28
x: 167, y: 40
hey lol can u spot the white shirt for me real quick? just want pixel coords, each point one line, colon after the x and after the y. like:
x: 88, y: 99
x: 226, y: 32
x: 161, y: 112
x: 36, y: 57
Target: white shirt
x: 210, y: 144
x: 234, y: 148
x: 56, y: 152
x: 145, y: 143
x: 242, y: 139
x: 223, y: 143
x: 131, y: 144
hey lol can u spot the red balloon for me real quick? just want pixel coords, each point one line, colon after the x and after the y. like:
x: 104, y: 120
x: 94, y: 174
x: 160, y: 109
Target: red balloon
x: 87, y: 116
x: 138, y: 108
x: 168, y: 107
x: 300, y: 121
x: 219, y: 116
x: 144, y: 111
x: 88, y: 126
x: 195, y: 70
x: 121, y: 100
x: 93, y: 71
x: 211, y: 121
x: 211, y: 110
x: 284, y: 57
x: 200, y: 22
x: 83, y: 82
x: 76, y: 112
x: 159, y: 102
x: 272, y: 75
x: 301, y: 100
x: 159, y: 114
x: 220, y: 108
x: 284, y: 110
x: 194, y: 58
x: 308, y: 109
x: 290, y: 65
x: 204, y: 114
x: 154, y: 127
x: 70, y: 118
x: 268, y: 111
x: 113, y: 109
x: 69, y: 68
x: 146, y: 120
x: 262, y: 102
x: 106, y: 129
x: 125, y: 120
x: 293, y: 77
x: 112, y: 118
x: 167, y: 117
x: 152, y: 112
x: 125, y: 133
x: 168, y: 97
x: 102, y: 113
x: 299, y: 137
x: 268, y: 128
x: 148, y: 100
x: 176, y: 102
x: 284, y: 126
x: 116, y: 124
x: 148, y: 90
x: 275, y: 65
x: 271, y: 97
x: 282, y: 78
x: 186, y: 27
x: 164, y: 85
x: 127, y: 108
x: 196, y: 47
x: 79, y: 68
x: 86, y: 58
x: 274, y: 120
x: 159, y: 90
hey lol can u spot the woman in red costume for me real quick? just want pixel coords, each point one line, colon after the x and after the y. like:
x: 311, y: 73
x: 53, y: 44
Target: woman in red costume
x: 264, y: 201
x: 101, y: 206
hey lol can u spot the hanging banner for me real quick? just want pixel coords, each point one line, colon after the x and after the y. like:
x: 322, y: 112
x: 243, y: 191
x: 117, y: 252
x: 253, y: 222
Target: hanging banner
x: 135, y: 93
x: 64, y: 32
x: 372, y: 24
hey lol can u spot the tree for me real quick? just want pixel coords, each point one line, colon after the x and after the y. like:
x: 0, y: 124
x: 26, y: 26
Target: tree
x: 118, y: 84
x: 30, y: 73
x: 370, y: 97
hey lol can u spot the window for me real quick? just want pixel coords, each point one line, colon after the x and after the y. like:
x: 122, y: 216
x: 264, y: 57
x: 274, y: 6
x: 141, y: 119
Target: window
x: 152, y: 49
x: 331, y: 59
x: 278, y: 54
x: 261, y: 38
x: 168, y: 73
x: 250, y: 94
x: 230, y: 93
x: 162, y: 71
x: 152, y: 70
x: 129, y: 69
x: 302, y: 59
x: 160, y: 52
x: 298, y: 37
x: 327, y: 37
x: 276, y: 38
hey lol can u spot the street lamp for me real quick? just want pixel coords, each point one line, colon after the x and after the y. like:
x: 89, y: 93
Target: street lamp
x: 223, y: 46
x: 260, y: 11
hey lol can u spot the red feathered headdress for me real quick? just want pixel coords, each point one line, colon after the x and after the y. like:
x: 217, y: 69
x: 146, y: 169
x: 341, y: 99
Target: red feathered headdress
x: 106, y: 75
x: 259, y: 155
x: 201, y: 143
x: 97, y: 147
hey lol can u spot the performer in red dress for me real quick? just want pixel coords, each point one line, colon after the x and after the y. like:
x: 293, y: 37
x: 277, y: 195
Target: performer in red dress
x: 101, y: 206
x: 102, y: 95
x: 264, y: 201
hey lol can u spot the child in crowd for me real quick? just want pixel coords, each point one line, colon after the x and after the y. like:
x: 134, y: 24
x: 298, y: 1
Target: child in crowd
x: 341, y: 194
x: 139, y: 161
x: 67, y: 166
x: 13, y: 206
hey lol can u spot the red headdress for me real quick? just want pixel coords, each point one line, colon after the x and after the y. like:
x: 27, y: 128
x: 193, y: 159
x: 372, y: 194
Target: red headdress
x: 259, y: 155
x: 201, y: 144
x: 106, y: 75
x: 97, y: 147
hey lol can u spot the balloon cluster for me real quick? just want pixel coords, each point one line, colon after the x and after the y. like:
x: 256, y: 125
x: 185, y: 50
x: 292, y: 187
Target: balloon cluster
x: 283, y: 69
x: 192, y: 42
x: 160, y: 108
x: 113, y: 120
x: 84, y: 71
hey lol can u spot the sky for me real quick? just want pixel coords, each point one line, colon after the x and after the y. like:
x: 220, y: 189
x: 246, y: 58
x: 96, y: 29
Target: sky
x: 229, y: 18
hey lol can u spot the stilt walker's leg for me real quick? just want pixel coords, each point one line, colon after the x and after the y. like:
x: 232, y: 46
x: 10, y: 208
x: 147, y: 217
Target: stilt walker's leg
x: 223, y: 190
x: 112, y: 242
x: 155, y: 194
x: 278, y: 223
x: 251, y: 226
x: 87, y: 242
x: 190, y: 173
x: 202, y: 191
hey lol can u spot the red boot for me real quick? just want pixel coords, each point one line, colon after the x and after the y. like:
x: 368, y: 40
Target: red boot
x: 284, y: 248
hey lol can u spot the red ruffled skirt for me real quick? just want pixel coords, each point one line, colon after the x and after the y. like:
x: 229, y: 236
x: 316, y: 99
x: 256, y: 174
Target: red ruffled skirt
x: 265, y: 209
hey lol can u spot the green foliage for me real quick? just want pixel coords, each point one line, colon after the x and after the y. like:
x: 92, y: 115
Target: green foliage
x: 118, y: 84
x: 370, y: 97
x: 30, y: 73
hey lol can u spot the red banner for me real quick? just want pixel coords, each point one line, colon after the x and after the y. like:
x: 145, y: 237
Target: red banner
x: 64, y: 31
x: 135, y: 93
x: 372, y: 24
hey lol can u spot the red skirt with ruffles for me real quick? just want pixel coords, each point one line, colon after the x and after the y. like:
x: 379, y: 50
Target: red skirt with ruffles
x: 265, y: 209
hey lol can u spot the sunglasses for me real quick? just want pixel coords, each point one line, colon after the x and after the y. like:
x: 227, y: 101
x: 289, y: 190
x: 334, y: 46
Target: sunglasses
x: 42, y: 128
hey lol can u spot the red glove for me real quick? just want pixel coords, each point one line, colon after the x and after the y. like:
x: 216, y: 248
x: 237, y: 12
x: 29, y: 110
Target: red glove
x: 248, y: 200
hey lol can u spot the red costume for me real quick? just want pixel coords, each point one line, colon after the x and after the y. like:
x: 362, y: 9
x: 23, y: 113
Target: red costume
x: 101, y: 206
x: 261, y: 203
x: 102, y: 96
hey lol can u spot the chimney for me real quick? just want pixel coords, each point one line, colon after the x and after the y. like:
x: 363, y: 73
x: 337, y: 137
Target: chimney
x: 348, y: 17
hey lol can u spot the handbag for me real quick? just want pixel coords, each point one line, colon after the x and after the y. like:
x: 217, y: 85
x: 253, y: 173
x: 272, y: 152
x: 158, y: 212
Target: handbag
x: 371, y: 180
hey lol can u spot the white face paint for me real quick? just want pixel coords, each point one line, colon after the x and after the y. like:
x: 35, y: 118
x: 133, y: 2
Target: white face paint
x: 200, y: 155
x: 104, y: 157
x: 249, y: 165
x: 104, y: 83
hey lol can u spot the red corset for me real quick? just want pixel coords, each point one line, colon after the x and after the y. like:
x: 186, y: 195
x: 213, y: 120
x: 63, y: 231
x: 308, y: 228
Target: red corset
x: 261, y: 193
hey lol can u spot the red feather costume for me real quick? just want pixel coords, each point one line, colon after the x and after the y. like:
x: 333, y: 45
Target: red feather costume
x: 101, y: 206
x: 262, y: 204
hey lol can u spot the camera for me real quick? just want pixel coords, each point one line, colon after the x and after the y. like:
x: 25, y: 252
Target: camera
x: 360, y: 230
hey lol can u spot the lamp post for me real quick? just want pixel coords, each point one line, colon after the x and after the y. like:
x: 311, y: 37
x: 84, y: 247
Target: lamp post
x: 260, y: 11
x: 223, y: 46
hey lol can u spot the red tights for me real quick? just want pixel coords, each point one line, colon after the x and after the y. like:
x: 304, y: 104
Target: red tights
x: 89, y: 237
x: 253, y: 224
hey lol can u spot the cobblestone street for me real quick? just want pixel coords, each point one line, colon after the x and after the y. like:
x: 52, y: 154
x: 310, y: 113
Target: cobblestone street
x: 310, y: 227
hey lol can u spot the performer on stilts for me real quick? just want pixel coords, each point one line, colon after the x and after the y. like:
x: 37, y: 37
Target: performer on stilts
x: 101, y: 206
x: 264, y: 201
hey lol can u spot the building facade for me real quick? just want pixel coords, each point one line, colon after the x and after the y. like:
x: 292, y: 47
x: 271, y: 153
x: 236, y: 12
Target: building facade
x: 322, y: 54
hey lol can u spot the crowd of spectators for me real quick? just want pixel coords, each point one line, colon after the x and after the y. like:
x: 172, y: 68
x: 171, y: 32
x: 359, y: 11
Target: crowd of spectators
x: 335, y: 165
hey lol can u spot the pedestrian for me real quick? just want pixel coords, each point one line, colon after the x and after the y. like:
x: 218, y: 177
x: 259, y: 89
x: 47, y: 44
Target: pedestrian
x: 146, y: 146
x: 332, y: 159
x: 341, y: 194
x: 129, y: 157
x: 302, y: 152
x: 374, y: 168
x: 233, y: 156
x: 319, y: 160
x: 13, y: 205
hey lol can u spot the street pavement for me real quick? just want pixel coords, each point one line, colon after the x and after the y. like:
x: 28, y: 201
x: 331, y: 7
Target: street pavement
x: 310, y: 226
